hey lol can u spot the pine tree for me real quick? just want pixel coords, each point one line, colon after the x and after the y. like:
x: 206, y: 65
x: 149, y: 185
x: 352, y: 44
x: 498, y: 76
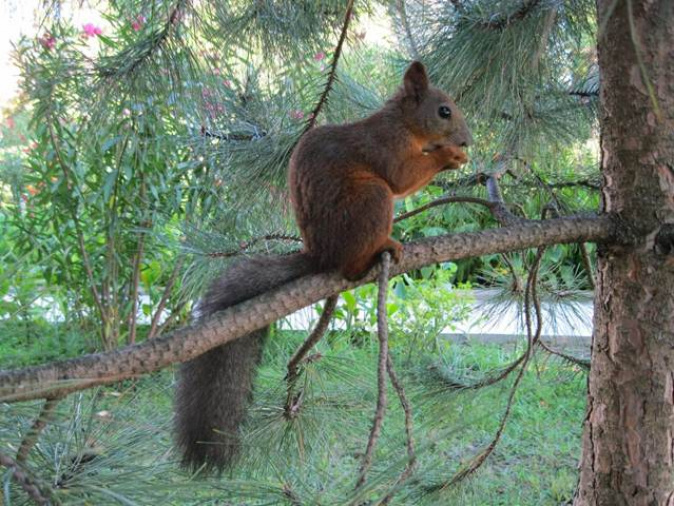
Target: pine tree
x: 168, y: 128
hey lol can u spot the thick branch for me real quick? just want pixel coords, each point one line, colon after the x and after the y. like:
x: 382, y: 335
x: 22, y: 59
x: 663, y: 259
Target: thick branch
x: 60, y: 378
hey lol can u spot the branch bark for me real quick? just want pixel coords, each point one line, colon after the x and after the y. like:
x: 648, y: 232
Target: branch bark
x: 60, y: 378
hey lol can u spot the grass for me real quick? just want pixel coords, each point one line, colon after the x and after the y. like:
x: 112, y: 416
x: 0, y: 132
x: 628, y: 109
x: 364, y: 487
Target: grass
x: 113, y: 445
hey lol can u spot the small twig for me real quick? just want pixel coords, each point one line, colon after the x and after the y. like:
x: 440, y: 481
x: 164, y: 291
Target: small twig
x: 517, y: 282
x: 404, y: 21
x: 290, y: 495
x: 584, y: 94
x: 315, y: 336
x: 233, y: 136
x: 587, y: 265
x: 164, y: 298
x: 33, y: 435
x: 499, y: 209
x: 247, y: 244
x: 407, y: 410
x: 175, y: 312
x: 135, y: 284
x: 382, y: 330
x: 20, y: 476
x: 532, y: 339
x: 333, y: 68
x: 443, y: 201
x: 458, y: 5
x: 585, y: 364
x: 487, y: 381
x: 294, y: 399
x: 157, y: 40
x: 503, y: 22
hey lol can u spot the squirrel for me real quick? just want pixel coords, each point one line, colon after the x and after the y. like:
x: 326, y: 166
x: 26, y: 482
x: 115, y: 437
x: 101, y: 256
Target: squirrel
x: 343, y: 180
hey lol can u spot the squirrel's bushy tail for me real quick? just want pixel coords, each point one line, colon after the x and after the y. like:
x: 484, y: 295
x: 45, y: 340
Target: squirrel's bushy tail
x: 215, y: 388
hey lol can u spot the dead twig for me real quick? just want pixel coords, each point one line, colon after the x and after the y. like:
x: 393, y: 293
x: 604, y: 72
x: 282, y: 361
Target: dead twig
x: 407, y: 410
x: 154, y: 326
x: 20, y: 476
x: 499, y: 209
x: 382, y: 331
x: 442, y: 201
x: 245, y: 245
x: 587, y: 265
x: 333, y: 68
x: 294, y: 399
x: 532, y: 339
x: 33, y: 435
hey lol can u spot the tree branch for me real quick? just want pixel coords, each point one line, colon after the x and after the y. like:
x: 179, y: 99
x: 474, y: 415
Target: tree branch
x: 19, y: 475
x: 503, y: 22
x: 33, y: 435
x: 382, y: 363
x: 333, y: 69
x: 499, y: 209
x: 60, y: 378
x: 442, y: 201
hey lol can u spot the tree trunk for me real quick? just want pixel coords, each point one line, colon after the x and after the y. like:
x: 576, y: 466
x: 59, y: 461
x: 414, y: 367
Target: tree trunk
x: 628, y: 452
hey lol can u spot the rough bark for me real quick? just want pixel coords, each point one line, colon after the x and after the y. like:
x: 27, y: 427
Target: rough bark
x: 60, y: 378
x: 628, y: 434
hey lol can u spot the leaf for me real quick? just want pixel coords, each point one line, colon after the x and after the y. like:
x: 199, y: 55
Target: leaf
x: 350, y: 301
x: 108, y: 185
x: 110, y: 143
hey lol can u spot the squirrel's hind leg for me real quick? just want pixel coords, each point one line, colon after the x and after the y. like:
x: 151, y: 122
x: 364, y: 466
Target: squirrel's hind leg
x: 363, y: 228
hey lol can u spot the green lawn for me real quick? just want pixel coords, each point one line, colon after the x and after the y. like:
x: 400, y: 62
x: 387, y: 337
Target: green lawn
x: 113, y: 446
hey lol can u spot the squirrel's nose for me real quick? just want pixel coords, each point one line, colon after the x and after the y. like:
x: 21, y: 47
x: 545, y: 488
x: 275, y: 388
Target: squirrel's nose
x: 467, y: 139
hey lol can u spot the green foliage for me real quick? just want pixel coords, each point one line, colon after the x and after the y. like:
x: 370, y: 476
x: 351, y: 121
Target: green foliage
x: 156, y: 151
x: 512, y: 65
x: 113, y: 446
x: 167, y: 133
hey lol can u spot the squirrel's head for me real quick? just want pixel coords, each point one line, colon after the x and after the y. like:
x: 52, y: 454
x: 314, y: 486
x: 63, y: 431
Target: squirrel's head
x: 430, y: 112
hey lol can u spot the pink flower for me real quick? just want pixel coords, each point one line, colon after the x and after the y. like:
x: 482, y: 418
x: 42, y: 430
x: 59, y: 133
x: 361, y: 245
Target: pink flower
x: 319, y: 56
x: 10, y: 123
x: 30, y: 147
x: 227, y: 83
x: 48, y: 41
x: 126, y: 112
x: 297, y: 114
x: 91, y: 30
x: 138, y: 23
x: 216, y: 71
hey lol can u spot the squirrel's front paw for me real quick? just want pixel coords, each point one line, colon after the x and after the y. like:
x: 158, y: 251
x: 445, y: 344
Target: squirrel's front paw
x: 452, y: 157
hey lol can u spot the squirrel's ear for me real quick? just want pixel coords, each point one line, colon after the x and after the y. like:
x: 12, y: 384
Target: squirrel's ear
x: 416, y: 80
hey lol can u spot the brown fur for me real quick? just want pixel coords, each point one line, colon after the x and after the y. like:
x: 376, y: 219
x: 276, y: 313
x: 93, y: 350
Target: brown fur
x: 343, y: 180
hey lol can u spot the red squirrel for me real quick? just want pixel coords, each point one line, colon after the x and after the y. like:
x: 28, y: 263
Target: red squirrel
x: 343, y: 180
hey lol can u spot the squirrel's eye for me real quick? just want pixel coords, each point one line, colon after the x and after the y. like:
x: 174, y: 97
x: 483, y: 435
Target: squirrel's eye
x: 445, y: 112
